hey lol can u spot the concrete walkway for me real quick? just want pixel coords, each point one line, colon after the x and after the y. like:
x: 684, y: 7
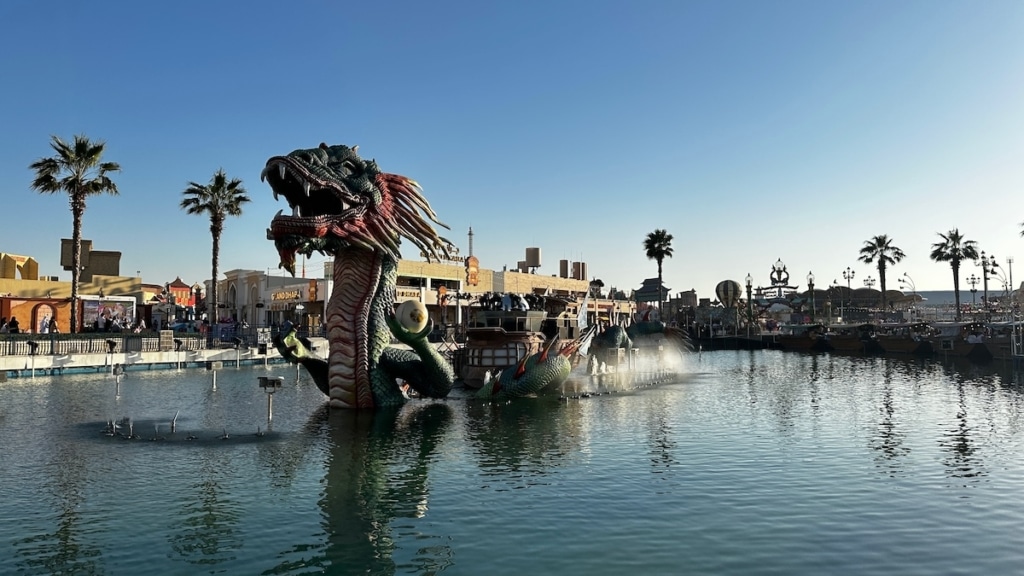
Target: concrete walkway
x: 46, y: 364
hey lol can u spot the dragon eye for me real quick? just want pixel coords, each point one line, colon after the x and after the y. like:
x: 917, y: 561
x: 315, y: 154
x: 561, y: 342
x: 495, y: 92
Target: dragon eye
x: 348, y: 168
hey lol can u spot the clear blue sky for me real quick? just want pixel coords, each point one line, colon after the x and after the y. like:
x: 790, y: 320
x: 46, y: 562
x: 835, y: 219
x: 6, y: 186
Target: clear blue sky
x: 751, y: 130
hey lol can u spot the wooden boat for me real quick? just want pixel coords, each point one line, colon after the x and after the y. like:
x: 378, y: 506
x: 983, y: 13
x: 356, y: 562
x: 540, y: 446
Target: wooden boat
x: 854, y: 338
x: 1005, y: 340
x: 802, y: 337
x: 961, y: 339
x: 905, y: 338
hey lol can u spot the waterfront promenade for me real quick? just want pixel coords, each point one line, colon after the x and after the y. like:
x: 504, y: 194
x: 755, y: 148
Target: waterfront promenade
x: 37, y: 355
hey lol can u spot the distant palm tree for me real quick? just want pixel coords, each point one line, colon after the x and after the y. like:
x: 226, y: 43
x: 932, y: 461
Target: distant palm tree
x: 954, y: 249
x: 658, y: 245
x: 218, y: 199
x: 77, y: 169
x: 881, y: 251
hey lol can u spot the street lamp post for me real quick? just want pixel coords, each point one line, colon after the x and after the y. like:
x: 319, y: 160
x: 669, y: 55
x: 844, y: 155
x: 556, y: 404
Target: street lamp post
x: 810, y: 288
x: 750, y: 303
x: 298, y: 316
x: 998, y: 274
x: 988, y: 265
x: 907, y: 281
x: 869, y: 283
x: 973, y: 281
x: 847, y: 275
x: 833, y: 289
x: 1009, y: 279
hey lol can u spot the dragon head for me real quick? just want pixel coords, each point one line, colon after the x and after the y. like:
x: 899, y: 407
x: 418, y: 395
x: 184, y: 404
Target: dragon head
x: 341, y: 201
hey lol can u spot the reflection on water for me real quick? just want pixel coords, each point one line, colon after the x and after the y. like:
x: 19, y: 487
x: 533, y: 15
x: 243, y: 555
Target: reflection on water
x: 205, y: 530
x: 515, y: 442
x: 759, y: 461
x: 890, y: 438
x: 376, y: 473
x: 65, y: 549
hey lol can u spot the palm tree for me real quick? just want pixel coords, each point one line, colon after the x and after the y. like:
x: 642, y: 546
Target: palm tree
x: 78, y: 170
x: 880, y: 249
x: 954, y: 249
x: 658, y: 245
x: 218, y: 199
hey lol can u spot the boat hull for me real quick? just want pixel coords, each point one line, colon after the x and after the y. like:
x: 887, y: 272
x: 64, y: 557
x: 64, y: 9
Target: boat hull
x: 906, y: 345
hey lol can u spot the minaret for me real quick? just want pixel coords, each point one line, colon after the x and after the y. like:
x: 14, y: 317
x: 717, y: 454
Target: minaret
x: 470, y: 241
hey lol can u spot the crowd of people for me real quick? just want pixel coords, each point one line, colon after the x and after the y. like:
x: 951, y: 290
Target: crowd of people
x: 118, y: 324
x: 47, y: 325
x: 115, y: 324
x: 10, y: 327
x: 509, y: 301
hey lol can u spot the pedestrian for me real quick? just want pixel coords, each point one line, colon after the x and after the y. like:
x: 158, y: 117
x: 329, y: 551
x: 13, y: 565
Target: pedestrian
x: 13, y: 327
x: 54, y: 329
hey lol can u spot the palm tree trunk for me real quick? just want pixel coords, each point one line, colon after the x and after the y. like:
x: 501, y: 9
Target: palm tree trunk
x: 77, y: 209
x: 215, y: 230
x: 956, y: 287
x: 661, y: 294
x: 881, y: 282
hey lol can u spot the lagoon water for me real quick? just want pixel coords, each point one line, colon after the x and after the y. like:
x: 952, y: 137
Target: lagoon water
x: 756, y: 462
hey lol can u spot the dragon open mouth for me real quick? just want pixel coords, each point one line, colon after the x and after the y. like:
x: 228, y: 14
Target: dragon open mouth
x: 312, y: 198
x: 338, y: 201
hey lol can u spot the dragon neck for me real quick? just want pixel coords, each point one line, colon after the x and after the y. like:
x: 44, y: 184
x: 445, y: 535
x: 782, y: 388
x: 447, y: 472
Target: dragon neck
x: 363, y: 293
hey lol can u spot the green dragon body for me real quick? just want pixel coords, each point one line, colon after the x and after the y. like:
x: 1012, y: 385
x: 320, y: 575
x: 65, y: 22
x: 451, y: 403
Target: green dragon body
x: 533, y: 374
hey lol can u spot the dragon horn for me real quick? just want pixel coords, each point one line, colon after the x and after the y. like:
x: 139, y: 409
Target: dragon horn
x: 572, y: 347
x: 496, y: 386
x: 547, y: 349
x: 521, y: 368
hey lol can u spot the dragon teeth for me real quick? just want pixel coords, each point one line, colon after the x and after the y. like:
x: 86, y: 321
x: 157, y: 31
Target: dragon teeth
x: 263, y: 175
x: 275, y: 195
x: 306, y: 186
x: 281, y: 170
x: 296, y: 211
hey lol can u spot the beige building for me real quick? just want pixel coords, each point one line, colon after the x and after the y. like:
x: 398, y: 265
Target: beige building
x: 260, y: 299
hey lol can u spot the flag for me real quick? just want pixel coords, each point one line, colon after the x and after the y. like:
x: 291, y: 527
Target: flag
x: 581, y: 317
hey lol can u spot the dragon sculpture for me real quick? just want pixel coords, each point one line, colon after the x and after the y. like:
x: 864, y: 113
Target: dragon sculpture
x: 344, y: 206
x: 604, y: 345
x: 535, y: 373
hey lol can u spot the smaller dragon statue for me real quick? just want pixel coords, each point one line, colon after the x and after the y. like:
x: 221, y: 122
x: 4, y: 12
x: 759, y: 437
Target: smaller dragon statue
x: 615, y: 338
x: 535, y: 373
